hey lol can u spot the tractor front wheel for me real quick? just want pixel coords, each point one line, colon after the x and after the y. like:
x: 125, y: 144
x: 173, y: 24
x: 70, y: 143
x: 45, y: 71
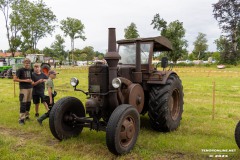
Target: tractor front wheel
x: 61, y: 122
x: 9, y: 73
x: 166, y: 105
x: 122, y: 129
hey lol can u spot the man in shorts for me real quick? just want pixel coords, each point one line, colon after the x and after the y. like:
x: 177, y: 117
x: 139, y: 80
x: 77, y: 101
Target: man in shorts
x: 38, y: 88
x: 24, y: 77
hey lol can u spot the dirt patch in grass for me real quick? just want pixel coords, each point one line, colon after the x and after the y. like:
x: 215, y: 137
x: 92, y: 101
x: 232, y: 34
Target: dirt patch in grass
x: 16, y: 133
x: 25, y: 136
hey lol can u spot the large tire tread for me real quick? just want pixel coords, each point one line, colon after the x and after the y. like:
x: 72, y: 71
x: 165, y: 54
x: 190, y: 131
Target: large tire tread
x: 158, y: 112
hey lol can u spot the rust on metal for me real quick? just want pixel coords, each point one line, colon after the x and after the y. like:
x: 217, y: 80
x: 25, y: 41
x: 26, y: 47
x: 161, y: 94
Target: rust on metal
x: 136, y: 97
x: 174, y: 104
x: 127, y: 131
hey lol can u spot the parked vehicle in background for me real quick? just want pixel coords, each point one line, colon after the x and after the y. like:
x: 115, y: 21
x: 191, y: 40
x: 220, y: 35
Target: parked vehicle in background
x: 7, y: 65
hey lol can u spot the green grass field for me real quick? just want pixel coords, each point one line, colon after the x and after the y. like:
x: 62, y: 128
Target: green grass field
x: 197, y: 134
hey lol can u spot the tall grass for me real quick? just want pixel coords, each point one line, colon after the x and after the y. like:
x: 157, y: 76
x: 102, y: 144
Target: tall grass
x: 197, y: 130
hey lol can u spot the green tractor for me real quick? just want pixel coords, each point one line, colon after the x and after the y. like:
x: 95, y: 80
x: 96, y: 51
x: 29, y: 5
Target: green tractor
x: 6, y: 66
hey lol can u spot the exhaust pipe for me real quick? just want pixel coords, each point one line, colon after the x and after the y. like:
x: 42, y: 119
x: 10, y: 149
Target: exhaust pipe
x: 112, y: 40
x: 112, y: 57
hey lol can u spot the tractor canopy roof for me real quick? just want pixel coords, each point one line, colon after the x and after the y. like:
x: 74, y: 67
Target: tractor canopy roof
x: 160, y: 43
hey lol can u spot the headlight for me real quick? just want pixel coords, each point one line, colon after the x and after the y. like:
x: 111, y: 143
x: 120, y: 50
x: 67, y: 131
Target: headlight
x: 74, y: 82
x: 116, y: 83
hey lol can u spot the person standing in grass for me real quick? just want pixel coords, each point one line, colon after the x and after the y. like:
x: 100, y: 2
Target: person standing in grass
x: 39, y: 80
x: 50, y: 94
x: 24, y: 77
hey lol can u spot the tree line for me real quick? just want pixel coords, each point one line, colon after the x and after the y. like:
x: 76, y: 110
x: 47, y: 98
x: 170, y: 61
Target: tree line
x: 27, y: 22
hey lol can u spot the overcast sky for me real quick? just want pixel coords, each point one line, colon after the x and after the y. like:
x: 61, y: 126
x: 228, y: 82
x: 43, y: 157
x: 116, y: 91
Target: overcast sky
x: 99, y: 15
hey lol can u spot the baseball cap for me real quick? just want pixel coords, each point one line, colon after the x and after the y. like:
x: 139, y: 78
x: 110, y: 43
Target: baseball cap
x: 52, y: 72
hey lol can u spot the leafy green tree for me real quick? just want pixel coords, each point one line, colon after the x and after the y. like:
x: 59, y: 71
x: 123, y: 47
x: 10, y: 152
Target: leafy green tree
x: 184, y: 56
x: 227, y: 13
x: 48, y: 52
x: 77, y: 54
x: 224, y: 46
x: 200, y: 46
x: 83, y: 57
x: 221, y: 43
x: 73, y: 28
x: 131, y: 31
x: 35, y: 20
x: 216, y: 56
x: 191, y: 57
x: 15, y: 28
x: 206, y: 55
x: 99, y: 55
x: 175, y: 33
x: 159, y: 23
x: 58, y: 48
x: 13, y: 40
x: 89, y: 51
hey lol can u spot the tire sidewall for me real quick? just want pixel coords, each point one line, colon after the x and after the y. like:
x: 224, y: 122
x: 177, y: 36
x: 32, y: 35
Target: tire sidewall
x: 63, y: 106
x: 114, y: 128
x: 131, y: 113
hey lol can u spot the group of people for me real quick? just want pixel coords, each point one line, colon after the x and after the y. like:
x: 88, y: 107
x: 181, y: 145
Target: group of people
x: 34, y: 86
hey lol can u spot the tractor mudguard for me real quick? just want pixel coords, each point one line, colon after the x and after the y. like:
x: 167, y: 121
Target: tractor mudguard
x: 160, y: 77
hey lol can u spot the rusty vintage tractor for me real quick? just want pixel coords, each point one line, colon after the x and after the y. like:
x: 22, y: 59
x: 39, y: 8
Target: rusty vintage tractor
x: 119, y: 91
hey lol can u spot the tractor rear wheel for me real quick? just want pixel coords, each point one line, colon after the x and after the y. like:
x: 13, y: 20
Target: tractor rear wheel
x: 9, y: 73
x: 4, y: 74
x: 61, y: 122
x: 45, y: 68
x: 166, y: 105
x: 122, y: 129
x: 237, y: 134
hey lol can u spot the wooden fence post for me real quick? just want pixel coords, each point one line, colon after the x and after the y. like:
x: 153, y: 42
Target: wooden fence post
x: 14, y: 89
x: 213, y: 109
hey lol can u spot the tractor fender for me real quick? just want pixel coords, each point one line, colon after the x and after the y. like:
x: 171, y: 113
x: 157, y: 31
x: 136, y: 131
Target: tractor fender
x: 163, y: 76
x: 45, y: 68
x: 46, y: 64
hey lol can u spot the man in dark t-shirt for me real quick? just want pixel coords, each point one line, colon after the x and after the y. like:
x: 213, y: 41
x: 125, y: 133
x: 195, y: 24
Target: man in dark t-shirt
x: 38, y: 88
x: 24, y: 77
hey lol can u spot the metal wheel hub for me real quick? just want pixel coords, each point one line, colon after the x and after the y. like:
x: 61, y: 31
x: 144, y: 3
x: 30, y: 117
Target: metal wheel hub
x: 127, y: 131
x: 174, y: 104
